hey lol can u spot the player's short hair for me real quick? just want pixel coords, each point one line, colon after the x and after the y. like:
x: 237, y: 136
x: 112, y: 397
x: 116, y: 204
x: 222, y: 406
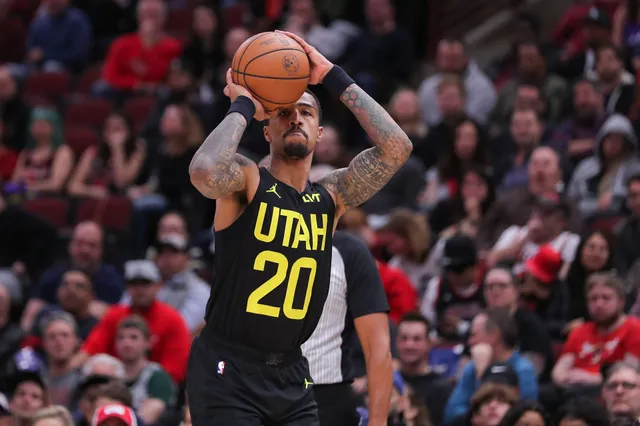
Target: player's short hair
x: 609, y: 279
x: 416, y: 317
x: 315, y: 97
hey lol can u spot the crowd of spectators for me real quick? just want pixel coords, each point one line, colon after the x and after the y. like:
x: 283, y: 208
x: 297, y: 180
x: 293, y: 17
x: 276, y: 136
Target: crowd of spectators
x: 508, y: 245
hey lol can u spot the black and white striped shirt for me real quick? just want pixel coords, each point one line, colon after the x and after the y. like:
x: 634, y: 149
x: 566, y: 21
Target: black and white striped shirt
x: 355, y: 290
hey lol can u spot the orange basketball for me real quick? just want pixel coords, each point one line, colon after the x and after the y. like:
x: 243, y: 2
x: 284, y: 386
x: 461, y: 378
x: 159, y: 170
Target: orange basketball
x: 273, y: 67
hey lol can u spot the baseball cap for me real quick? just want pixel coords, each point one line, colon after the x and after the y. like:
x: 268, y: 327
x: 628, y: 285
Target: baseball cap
x: 141, y: 270
x: 597, y: 17
x: 459, y: 253
x: 544, y: 265
x: 174, y: 241
x: 502, y: 373
x: 114, y: 411
x: 22, y: 376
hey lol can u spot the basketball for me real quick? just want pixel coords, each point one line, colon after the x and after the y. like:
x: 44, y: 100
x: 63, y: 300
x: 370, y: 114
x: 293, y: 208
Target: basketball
x: 273, y: 67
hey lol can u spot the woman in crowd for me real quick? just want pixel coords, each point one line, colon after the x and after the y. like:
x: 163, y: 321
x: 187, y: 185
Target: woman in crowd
x: 111, y: 167
x: 490, y: 403
x: 44, y: 166
x: 583, y: 411
x: 526, y: 413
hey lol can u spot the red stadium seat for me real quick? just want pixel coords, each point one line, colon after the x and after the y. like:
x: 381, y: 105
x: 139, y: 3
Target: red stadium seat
x: 113, y: 213
x: 53, y: 209
x: 138, y: 109
x: 89, y: 112
x: 88, y: 78
x: 49, y: 86
x: 80, y: 138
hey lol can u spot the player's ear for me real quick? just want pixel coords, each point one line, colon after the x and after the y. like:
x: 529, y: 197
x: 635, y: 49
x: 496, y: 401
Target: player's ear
x: 265, y: 131
x: 320, y: 131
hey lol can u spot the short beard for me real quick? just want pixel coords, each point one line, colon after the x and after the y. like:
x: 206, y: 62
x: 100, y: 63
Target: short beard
x: 296, y: 151
x: 608, y: 322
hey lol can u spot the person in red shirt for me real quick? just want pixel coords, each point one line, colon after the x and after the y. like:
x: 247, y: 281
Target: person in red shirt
x: 139, y: 62
x: 170, y: 340
x: 400, y: 292
x: 611, y: 336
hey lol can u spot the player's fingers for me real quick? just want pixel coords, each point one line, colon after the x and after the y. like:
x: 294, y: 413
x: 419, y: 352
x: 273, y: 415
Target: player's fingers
x: 297, y: 38
x: 226, y: 91
x: 229, y: 78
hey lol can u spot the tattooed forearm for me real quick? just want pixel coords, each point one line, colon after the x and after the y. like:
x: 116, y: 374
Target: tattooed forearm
x: 215, y: 168
x: 370, y: 170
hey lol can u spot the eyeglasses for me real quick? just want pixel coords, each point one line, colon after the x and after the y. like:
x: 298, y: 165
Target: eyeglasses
x: 611, y: 386
x: 497, y: 285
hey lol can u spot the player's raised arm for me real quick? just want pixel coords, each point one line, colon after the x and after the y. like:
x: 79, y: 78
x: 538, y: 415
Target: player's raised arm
x: 216, y: 169
x: 370, y: 170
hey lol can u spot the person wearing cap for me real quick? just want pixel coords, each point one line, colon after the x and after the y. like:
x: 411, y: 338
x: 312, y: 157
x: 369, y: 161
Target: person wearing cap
x: 599, y: 183
x: 182, y: 288
x: 542, y: 293
x: 455, y: 297
x: 547, y: 224
x: 172, y: 339
x: 28, y: 394
x: 114, y: 415
x: 609, y: 337
x: 493, y: 342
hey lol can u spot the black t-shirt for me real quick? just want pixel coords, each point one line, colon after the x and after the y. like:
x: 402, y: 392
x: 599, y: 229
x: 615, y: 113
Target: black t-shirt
x: 533, y: 338
x: 272, y: 267
x: 434, y: 390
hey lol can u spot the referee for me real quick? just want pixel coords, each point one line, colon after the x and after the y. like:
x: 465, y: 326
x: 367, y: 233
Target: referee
x: 358, y: 304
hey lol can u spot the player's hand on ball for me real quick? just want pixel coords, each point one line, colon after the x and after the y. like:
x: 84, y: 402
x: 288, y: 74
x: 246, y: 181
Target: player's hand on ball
x: 233, y: 90
x: 320, y: 65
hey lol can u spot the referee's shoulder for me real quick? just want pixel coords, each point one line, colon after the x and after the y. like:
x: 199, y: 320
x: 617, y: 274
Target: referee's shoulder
x: 345, y: 241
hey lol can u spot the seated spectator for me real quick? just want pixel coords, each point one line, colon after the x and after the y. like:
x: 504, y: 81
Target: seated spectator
x: 404, y: 107
x: 60, y: 341
x: 101, y: 366
x: 575, y: 137
x: 453, y: 299
x: 470, y: 147
x: 480, y: 92
x: 621, y: 391
x: 547, y: 225
x: 332, y: 150
x: 85, y: 394
x: 11, y: 334
x: 490, y: 404
x: 594, y: 254
x: 406, y: 406
x: 139, y: 62
x: 85, y: 254
x: 171, y: 337
x: 414, y: 345
x: 609, y: 337
x: 616, y: 84
x: 599, y: 182
x: 151, y: 387
x: 56, y: 415
x: 111, y: 167
x: 114, y: 393
x: 45, y: 164
x: 59, y: 38
x: 14, y: 113
x: 27, y: 395
x: 543, y: 293
x: 526, y: 412
x: 515, y: 207
x: 583, y: 410
x: 494, y: 358
x: 534, y: 343
x: 627, y: 250
x: 625, y: 31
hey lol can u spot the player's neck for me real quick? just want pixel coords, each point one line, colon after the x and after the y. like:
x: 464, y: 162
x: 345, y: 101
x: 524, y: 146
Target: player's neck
x: 294, y: 173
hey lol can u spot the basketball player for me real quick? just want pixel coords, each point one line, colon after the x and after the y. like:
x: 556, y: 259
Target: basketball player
x: 273, y: 249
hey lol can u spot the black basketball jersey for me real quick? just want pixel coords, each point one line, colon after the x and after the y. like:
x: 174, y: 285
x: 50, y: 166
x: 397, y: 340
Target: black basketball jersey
x: 272, y: 267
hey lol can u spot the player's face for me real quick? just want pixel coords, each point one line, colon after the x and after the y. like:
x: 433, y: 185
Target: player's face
x: 294, y: 130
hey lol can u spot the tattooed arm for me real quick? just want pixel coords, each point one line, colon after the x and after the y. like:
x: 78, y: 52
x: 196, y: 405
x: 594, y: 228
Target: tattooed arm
x: 370, y: 170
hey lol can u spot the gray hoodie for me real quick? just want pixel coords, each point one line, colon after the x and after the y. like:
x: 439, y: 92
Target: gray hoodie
x: 586, y: 178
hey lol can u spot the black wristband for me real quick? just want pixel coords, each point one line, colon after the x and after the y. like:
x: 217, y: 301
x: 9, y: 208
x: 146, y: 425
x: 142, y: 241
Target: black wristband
x: 244, y: 106
x: 337, y: 80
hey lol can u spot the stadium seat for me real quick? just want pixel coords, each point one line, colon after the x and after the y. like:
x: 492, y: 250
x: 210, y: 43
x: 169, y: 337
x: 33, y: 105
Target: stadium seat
x: 88, y: 112
x: 55, y: 210
x: 47, y: 86
x: 113, y: 213
x: 138, y: 110
x: 80, y: 138
x: 88, y: 78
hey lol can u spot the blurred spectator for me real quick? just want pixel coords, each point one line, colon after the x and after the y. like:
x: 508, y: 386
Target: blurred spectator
x: 490, y: 404
x: 56, y: 415
x: 14, y: 111
x: 512, y: 162
x: 480, y: 92
x: 494, y: 358
x: 85, y: 254
x: 60, y: 341
x: 100, y: 366
x: 625, y: 31
x: 406, y: 406
x: 59, y: 38
x: 139, y: 62
x: 111, y: 167
x: 151, y: 387
x: 547, y: 225
x: 332, y: 150
x: 514, y: 207
x: 28, y: 394
x: 114, y: 415
x: 528, y: 413
x: 599, y: 182
x: 543, y: 293
x: 10, y: 334
x: 609, y: 337
x: 453, y: 299
x: 620, y: 391
x: 470, y: 147
x: 382, y: 57
x: 531, y: 70
x: 594, y: 254
x: 414, y: 345
x: 109, y: 19
x: 401, y: 294
x: 627, y: 250
x: 616, y: 84
x: 534, y: 343
x: 170, y: 335
x: 46, y: 162
x: 582, y: 410
x: 404, y: 107
x: 75, y: 295
x: 575, y: 137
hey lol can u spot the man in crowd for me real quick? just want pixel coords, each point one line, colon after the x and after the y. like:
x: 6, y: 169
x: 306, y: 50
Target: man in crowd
x: 621, y: 391
x: 28, y: 394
